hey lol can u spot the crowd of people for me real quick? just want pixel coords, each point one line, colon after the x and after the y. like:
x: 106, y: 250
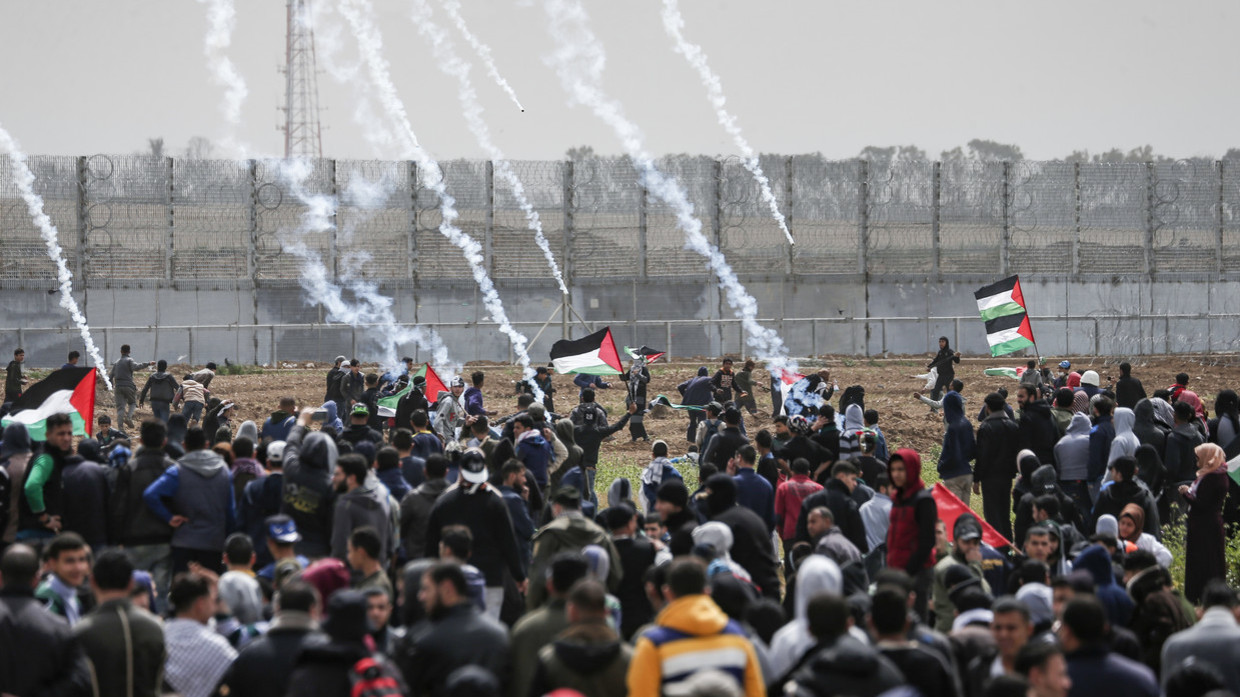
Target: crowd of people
x: 390, y: 541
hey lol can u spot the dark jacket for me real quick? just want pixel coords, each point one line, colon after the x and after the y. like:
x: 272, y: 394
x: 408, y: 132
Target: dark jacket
x: 86, y: 501
x: 13, y: 381
x: 265, y: 665
x: 751, y: 539
x: 277, y: 426
x: 570, y: 532
x: 322, y: 670
x: 586, y: 657
x: 1046, y: 481
x: 590, y: 438
x: 998, y: 442
x: 161, y: 387
x: 1111, y: 501
x: 1095, y: 670
x: 723, y: 446
x: 1181, y: 460
x: 959, y: 446
x: 1147, y: 430
x: 697, y: 391
x: 415, y: 510
x: 536, y: 454
x: 131, y: 521
x: 722, y: 382
x: 945, y: 361
x: 459, y: 636
x: 46, y: 656
x: 356, y: 433
x: 1100, y: 438
x: 637, y: 555
x: 1037, y: 430
x: 1128, y: 391
x: 308, y: 493
x: 910, y: 537
x: 334, y: 391
x: 366, y: 506
x: 198, y: 488
x: 845, y: 667
x: 53, y: 490
x: 755, y: 493
x: 1097, y: 561
x: 412, y: 401
x: 924, y: 668
x: 486, y: 516
x: 260, y: 500
x: 125, y: 647
x: 835, y: 496
x: 801, y: 446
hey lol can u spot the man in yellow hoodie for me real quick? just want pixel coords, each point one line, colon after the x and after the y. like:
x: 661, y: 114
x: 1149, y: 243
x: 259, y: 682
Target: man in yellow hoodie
x: 691, y: 635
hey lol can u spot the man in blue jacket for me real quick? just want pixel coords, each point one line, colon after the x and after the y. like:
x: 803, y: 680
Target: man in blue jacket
x: 199, y: 487
x: 532, y: 449
x: 698, y: 391
x: 1100, y: 438
x: 1092, y: 666
x: 959, y: 448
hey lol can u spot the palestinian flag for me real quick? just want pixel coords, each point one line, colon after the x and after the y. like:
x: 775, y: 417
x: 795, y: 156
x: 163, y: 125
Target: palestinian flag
x: 593, y: 355
x: 649, y: 354
x: 1233, y: 469
x: 787, y: 379
x: 387, y: 405
x: 1014, y: 373
x: 66, y: 391
x: 662, y: 399
x: 950, y: 507
x: 1002, y: 307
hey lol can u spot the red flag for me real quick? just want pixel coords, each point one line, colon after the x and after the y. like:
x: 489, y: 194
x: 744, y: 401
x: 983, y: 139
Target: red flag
x: 950, y: 508
x: 433, y: 385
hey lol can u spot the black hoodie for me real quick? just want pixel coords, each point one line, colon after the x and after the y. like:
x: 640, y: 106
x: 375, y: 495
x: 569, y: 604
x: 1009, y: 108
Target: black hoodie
x: 1037, y: 430
x: 308, y: 494
x: 843, y: 667
x: 751, y: 540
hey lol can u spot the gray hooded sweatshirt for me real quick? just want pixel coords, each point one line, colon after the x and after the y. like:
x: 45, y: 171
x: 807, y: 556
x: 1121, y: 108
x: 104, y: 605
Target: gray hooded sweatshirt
x: 1072, y: 451
x: 1125, y: 442
x: 205, y: 496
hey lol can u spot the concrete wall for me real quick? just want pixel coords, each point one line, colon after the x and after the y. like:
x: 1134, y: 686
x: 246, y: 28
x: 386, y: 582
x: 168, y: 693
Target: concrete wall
x: 813, y: 314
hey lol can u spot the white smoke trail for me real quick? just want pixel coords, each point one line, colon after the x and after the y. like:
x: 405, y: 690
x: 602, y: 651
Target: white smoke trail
x: 451, y: 64
x: 453, y: 8
x: 316, y: 280
x: 359, y: 14
x: 578, y: 61
x: 24, y: 179
x: 674, y: 24
x: 222, y: 20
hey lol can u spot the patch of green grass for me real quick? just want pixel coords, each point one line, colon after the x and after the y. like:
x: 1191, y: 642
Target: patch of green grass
x: 612, y: 467
x: 848, y: 362
x: 239, y: 369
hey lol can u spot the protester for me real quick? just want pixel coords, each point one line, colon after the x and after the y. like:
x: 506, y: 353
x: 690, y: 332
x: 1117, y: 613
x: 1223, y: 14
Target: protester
x: 1204, y: 548
x: 198, y: 489
x: 42, y: 655
x: 124, y: 644
x: 197, y: 655
x: 162, y: 388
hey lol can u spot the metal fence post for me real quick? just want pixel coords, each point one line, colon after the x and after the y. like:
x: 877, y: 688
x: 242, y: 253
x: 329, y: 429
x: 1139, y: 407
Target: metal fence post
x: 1005, y: 241
x: 716, y: 229
x: 788, y: 174
x: 333, y: 251
x: 1218, y: 239
x: 81, y: 218
x: 1148, y: 245
x: 489, y: 230
x: 1076, y: 238
x: 643, y: 208
x: 863, y: 215
x: 251, y: 248
x: 411, y: 246
x: 936, y: 190
x: 667, y: 327
x: 169, y: 242
x: 569, y: 205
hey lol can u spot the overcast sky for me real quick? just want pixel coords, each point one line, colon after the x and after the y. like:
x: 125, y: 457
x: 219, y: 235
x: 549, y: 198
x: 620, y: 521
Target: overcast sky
x: 102, y: 76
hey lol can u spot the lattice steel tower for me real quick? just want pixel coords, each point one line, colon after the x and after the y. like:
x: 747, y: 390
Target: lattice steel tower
x: 302, y: 133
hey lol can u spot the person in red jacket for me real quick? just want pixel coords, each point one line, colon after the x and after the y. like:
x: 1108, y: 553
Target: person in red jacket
x: 910, y: 537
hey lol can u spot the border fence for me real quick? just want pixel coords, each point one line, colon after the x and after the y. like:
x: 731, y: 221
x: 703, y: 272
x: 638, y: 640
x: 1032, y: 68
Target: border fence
x: 185, y: 256
x: 139, y: 217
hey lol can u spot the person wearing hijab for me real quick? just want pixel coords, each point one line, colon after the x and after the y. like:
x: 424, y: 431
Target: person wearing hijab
x: 817, y: 574
x: 1080, y: 402
x: 1204, y: 542
x: 1074, y: 382
x: 1131, y: 526
x: 1191, y: 399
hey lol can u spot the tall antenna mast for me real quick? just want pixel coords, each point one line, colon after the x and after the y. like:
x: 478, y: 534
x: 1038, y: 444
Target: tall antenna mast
x: 302, y: 133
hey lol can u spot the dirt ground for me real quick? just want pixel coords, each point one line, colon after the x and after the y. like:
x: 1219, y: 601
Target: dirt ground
x: 888, y: 382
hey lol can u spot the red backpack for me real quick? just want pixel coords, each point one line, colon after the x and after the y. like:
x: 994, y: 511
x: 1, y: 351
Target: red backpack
x: 370, y: 678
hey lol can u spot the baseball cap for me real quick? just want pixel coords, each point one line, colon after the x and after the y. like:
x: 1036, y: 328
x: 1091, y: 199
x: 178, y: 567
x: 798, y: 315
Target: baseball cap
x: 275, y: 451
x: 474, y: 466
x: 340, y: 358
x: 458, y: 381
x: 360, y: 409
x: 968, y: 532
x: 1065, y: 364
x: 283, y: 529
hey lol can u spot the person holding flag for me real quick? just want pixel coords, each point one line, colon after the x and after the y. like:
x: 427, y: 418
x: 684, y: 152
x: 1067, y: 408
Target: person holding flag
x: 637, y: 377
x: 450, y: 411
